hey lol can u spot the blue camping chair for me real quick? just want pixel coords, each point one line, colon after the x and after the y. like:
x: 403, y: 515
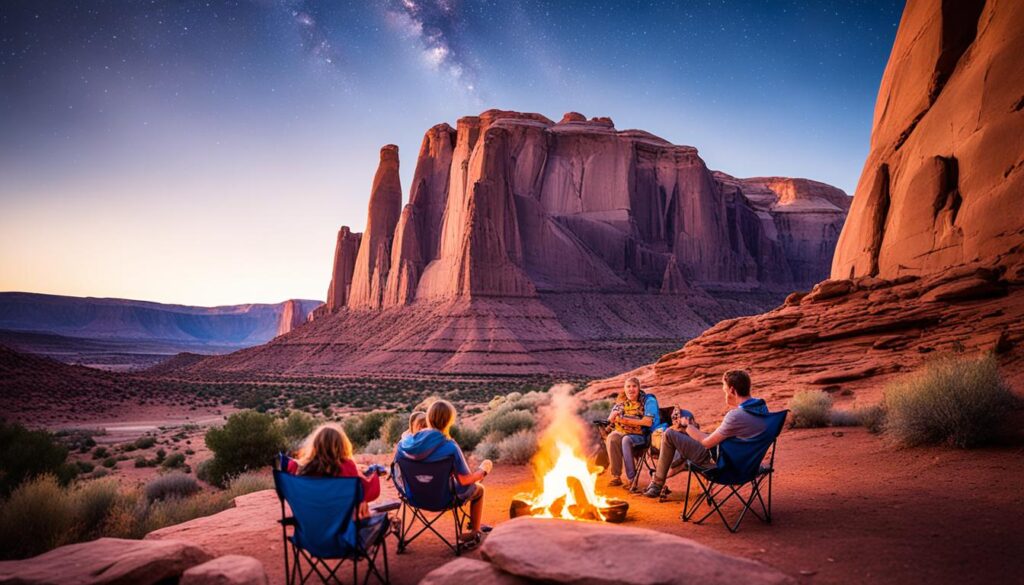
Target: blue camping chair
x: 325, y: 532
x: 738, y: 464
x: 428, y: 493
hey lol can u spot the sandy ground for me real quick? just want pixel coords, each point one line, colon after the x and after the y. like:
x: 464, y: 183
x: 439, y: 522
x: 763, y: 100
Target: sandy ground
x: 848, y: 509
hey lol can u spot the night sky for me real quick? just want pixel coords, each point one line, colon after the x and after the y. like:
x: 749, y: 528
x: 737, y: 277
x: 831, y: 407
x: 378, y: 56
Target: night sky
x: 207, y: 152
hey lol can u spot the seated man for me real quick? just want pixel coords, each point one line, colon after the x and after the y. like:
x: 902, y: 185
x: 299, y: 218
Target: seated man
x: 634, y: 415
x: 741, y: 421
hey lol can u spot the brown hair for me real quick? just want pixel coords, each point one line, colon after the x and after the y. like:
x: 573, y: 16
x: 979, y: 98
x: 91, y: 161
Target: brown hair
x: 324, y: 451
x: 738, y: 380
x: 441, y: 415
x: 417, y: 421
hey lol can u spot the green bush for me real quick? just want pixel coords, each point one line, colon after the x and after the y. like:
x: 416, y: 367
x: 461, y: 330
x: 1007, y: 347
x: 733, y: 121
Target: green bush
x: 871, y: 417
x: 517, y: 449
x: 361, y: 429
x: 37, y: 517
x: 109, y: 462
x: 94, y: 504
x: 810, y: 409
x: 297, y: 426
x: 392, y: 429
x: 145, y: 442
x: 84, y: 466
x: 506, y: 422
x: 488, y: 448
x: 249, y: 440
x: 597, y: 410
x: 172, y: 485
x: 954, y: 400
x: 174, y: 461
x: 100, y: 453
x: 26, y: 454
x: 466, y: 437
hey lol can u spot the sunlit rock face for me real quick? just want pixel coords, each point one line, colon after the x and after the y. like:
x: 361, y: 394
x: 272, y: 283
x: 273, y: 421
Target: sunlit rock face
x: 532, y: 247
x: 931, y: 259
x: 944, y: 179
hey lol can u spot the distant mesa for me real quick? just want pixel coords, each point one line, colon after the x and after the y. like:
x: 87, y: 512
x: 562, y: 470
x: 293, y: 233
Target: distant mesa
x: 530, y: 247
x: 931, y: 260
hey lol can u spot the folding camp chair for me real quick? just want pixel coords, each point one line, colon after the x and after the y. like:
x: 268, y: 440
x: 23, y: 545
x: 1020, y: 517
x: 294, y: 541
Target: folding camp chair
x: 646, y: 456
x: 738, y: 464
x: 325, y: 532
x: 428, y: 491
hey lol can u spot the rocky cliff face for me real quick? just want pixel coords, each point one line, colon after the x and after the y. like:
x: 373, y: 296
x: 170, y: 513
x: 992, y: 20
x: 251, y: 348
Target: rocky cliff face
x: 931, y: 259
x: 292, y: 315
x: 943, y: 181
x: 534, y: 247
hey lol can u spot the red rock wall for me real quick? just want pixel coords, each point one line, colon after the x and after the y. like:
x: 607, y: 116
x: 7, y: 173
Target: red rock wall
x: 943, y: 182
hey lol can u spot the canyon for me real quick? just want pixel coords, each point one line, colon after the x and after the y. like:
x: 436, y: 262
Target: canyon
x: 533, y: 247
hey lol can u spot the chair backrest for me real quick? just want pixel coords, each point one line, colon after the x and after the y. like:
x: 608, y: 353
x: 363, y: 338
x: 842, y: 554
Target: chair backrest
x: 323, y: 508
x: 665, y: 413
x: 739, y: 460
x: 426, y: 485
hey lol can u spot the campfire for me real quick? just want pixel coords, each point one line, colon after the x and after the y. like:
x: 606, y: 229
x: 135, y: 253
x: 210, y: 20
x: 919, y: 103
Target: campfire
x: 567, y: 483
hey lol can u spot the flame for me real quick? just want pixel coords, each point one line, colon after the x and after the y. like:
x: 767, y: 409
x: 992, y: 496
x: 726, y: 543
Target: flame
x: 568, y: 484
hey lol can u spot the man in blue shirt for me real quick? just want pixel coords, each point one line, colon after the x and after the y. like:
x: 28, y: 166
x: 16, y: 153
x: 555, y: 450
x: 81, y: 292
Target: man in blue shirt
x: 633, y: 417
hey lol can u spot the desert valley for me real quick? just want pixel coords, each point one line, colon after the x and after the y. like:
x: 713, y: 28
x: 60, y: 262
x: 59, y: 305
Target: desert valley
x: 530, y: 271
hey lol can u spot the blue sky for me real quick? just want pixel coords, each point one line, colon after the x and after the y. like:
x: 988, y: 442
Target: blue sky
x: 207, y: 152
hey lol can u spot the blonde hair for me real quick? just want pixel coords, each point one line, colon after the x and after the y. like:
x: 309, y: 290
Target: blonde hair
x: 441, y: 416
x: 417, y: 422
x: 324, y: 451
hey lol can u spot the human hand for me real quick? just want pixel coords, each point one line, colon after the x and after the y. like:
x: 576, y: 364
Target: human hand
x: 688, y: 421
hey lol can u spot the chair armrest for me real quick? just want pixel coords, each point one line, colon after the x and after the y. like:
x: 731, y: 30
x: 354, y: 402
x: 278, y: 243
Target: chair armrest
x: 289, y: 521
x: 388, y: 506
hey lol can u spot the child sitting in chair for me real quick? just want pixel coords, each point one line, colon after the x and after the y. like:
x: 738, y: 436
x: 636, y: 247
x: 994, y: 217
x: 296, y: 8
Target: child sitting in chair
x: 327, y: 451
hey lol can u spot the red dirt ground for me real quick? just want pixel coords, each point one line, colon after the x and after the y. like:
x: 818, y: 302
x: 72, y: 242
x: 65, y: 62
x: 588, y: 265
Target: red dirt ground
x: 848, y: 509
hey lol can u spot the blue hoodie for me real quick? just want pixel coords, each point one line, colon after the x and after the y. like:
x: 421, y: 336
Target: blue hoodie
x: 431, y: 445
x: 755, y: 406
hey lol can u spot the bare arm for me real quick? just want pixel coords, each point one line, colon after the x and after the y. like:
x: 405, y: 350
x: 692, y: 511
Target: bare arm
x: 708, y: 440
x: 471, y: 478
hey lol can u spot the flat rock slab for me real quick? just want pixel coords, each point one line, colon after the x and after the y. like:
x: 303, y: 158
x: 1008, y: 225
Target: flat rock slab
x: 226, y: 570
x: 107, y: 561
x: 594, y: 553
x: 471, y: 571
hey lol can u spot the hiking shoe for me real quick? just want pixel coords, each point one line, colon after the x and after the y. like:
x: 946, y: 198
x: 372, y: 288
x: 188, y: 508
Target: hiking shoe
x: 653, y: 491
x: 615, y: 481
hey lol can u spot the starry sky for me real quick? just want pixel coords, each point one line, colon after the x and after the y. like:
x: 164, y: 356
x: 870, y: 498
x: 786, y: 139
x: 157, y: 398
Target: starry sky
x: 207, y: 152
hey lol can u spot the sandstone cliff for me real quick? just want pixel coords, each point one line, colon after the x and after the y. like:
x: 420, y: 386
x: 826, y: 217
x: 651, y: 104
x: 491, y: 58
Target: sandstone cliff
x: 931, y: 260
x: 534, y: 247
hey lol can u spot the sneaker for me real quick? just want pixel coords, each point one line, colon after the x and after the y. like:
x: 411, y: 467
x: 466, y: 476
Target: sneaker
x: 653, y: 491
x: 615, y: 481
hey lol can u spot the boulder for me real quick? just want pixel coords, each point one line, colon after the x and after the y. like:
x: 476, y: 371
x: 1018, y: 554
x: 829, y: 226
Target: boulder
x: 475, y: 572
x: 106, y: 561
x: 591, y: 553
x: 226, y: 570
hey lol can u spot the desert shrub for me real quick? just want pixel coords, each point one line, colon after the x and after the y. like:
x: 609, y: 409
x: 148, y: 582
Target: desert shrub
x: 361, y: 429
x: 204, y: 470
x: 297, y: 426
x: 94, y: 503
x: 249, y: 440
x: 100, y: 453
x: 160, y: 455
x: 145, y: 442
x: 507, y: 422
x: 26, y: 454
x: 596, y: 410
x: 172, y: 485
x: 517, y: 449
x: 871, y: 417
x: 174, y: 461
x: 376, y: 447
x: 37, y: 517
x: 810, y: 409
x: 487, y: 448
x: 84, y: 466
x: 172, y: 511
x: 100, y: 472
x: 110, y: 462
x: 247, y: 483
x: 843, y: 418
x: 466, y: 437
x: 392, y: 429
x: 954, y: 400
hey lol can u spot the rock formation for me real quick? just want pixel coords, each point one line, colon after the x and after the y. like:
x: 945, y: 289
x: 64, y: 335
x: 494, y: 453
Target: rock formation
x: 369, y: 276
x: 345, y: 252
x: 931, y: 260
x: 530, y: 247
x: 292, y: 316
